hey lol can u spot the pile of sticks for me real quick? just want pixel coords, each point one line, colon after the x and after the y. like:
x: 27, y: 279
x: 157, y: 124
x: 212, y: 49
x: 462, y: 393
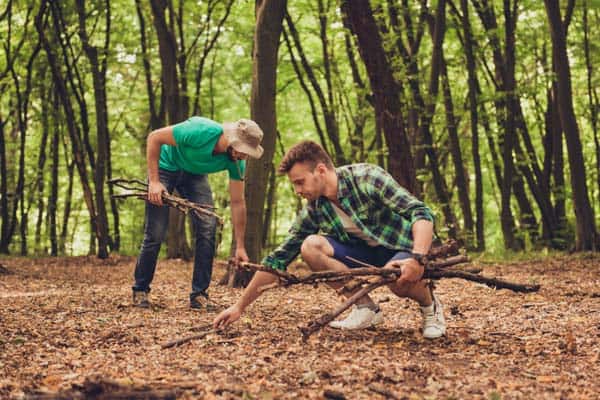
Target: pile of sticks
x: 139, y: 189
x: 361, y: 281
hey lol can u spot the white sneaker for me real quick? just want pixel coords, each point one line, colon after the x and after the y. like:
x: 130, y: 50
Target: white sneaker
x: 359, y: 318
x: 434, y: 324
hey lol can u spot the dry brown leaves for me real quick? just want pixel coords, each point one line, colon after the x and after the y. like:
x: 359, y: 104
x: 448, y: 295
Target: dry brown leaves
x: 68, y: 323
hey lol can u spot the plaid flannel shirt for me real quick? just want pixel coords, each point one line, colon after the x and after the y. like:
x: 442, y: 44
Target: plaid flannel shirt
x: 375, y: 202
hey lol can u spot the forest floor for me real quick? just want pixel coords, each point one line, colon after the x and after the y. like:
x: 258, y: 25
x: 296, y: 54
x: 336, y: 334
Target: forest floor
x: 68, y: 330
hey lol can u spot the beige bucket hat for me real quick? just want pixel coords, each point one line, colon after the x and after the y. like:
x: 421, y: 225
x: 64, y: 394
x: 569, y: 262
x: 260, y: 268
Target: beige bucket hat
x: 244, y: 136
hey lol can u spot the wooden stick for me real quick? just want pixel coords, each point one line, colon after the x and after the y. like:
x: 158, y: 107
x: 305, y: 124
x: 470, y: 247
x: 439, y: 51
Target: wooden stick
x: 180, y: 341
x: 314, y: 326
x: 435, y: 269
x: 139, y: 189
x: 494, y: 283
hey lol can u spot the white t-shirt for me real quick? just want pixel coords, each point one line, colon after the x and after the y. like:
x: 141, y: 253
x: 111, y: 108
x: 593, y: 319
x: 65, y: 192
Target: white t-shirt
x: 351, y: 227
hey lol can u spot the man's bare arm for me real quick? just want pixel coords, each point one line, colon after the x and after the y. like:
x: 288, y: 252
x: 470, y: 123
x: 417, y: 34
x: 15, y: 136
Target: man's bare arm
x: 156, y: 139
x: 251, y: 293
x: 238, y: 218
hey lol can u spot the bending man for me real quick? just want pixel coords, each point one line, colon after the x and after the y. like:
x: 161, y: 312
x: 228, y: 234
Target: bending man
x: 356, y: 211
x: 180, y: 157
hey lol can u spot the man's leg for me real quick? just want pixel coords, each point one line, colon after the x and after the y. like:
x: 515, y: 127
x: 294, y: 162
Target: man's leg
x: 196, y: 188
x: 155, y: 229
x: 434, y: 324
x: 326, y: 254
x: 318, y: 252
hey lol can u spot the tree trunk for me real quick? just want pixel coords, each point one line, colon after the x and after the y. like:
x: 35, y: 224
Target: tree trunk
x: 324, y: 96
x: 269, y: 20
x: 461, y: 175
x: 98, y: 67
x: 4, y: 211
x: 359, y: 17
x: 72, y: 128
x: 584, y: 214
x: 472, y: 82
x: 40, y: 179
x: 270, y: 205
x: 269, y: 25
x: 53, y: 196
x: 594, y: 104
x: 177, y: 245
x: 409, y: 54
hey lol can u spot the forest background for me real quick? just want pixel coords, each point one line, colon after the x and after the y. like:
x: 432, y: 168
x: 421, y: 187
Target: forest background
x: 487, y: 110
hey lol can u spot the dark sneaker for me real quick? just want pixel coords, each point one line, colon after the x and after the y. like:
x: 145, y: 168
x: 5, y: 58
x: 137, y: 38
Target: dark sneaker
x: 140, y: 299
x: 202, y: 302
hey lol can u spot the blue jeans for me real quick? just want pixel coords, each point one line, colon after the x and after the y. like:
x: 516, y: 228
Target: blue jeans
x: 196, y: 189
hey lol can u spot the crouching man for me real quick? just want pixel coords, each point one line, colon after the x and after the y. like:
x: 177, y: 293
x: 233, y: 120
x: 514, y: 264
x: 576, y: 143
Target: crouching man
x: 355, y: 212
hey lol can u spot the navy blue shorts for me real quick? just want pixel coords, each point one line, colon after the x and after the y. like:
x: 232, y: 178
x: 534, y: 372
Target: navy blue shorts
x: 376, y: 256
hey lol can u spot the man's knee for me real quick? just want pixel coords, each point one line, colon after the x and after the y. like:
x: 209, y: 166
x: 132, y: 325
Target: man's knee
x: 313, y: 245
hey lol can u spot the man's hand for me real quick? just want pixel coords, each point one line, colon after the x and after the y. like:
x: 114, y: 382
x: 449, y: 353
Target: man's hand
x: 226, y: 317
x: 241, y: 255
x: 412, y: 271
x: 155, y: 190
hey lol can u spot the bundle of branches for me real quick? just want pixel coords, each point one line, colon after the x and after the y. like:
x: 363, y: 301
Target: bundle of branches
x: 139, y: 189
x: 361, y: 281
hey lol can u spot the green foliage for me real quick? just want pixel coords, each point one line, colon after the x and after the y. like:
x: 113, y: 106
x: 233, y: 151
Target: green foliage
x: 225, y: 96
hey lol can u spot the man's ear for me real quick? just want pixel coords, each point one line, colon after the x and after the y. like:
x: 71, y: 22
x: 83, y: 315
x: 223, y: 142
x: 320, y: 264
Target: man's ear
x: 321, y: 168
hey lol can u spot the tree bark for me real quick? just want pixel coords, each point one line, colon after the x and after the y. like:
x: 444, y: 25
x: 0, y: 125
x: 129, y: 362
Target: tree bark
x: 324, y: 96
x: 359, y: 17
x: 98, y: 64
x: 4, y: 212
x: 474, y: 120
x: 594, y: 104
x: 177, y: 245
x: 460, y: 171
x: 53, y: 196
x: 77, y: 145
x: 269, y: 25
x: 584, y: 214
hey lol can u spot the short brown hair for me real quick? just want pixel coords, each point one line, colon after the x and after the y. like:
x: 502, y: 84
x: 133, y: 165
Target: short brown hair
x: 306, y: 151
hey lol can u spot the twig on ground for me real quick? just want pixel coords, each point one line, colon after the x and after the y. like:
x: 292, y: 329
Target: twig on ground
x: 380, y: 389
x: 180, y: 341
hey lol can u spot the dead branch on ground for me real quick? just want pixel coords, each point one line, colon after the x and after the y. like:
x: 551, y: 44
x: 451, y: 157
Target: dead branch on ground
x: 180, y: 341
x: 439, y: 259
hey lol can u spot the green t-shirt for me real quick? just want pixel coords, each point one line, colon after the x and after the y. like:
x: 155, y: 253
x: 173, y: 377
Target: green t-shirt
x: 195, y: 141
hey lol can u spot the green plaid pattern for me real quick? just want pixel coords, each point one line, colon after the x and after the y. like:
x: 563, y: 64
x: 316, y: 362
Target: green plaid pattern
x: 377, y: 204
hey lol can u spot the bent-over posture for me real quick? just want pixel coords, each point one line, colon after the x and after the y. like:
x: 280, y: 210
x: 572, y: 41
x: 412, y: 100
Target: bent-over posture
x: 180, y: 157
x: 355, y: 211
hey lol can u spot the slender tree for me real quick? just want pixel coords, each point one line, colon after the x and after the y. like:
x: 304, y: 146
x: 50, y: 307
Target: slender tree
x: 359, y: 18
x: 584, y: 214
x: 98, y: 59
x: 269, y: 25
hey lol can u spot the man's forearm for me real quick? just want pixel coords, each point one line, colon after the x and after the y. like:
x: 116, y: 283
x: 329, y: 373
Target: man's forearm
x: 422, y: 231
x: 152, y: 155
x: 238, y: 217
x: 252, y: 291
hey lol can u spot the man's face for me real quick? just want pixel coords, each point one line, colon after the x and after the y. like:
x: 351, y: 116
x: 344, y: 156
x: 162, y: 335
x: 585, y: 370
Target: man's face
x: 235, y: 155
x: 308, y: 183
